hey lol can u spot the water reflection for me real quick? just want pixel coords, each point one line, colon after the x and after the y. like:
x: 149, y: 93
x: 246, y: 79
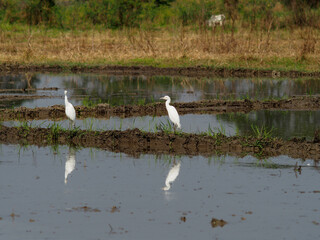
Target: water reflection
x: 172, y: 175
x: 249, y: 199
x: 284, y: 124
x: 16, y: 82
x: 70, y: 163
x: 88, y: 89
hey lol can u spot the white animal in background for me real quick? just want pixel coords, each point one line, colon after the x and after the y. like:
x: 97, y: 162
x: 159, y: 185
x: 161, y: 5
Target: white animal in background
x: 172, y: 112
x: 70, y: 111
x: 172, y: 175
x: 216, y: 19
x: 70, y: 164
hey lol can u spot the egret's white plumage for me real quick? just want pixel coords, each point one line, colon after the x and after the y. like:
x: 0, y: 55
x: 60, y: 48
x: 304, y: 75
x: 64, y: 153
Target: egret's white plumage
x: 172, y: 175
x: 70, y: 111
x: 70, y: 164
x: 172, y: 112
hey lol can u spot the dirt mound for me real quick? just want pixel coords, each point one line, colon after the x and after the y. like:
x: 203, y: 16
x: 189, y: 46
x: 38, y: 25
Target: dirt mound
x: 135, y: 142
x: 158, y: 109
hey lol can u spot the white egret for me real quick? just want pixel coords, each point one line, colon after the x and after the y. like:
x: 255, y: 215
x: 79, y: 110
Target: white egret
x: 70, y: 164
x: 172, y: 175
x: 172, y: 112
x: 70, y: 111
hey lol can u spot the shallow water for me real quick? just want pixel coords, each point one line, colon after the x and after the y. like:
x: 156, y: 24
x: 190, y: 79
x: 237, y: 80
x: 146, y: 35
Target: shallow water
x: 86, y: 89
x: 283, y: 124
x: 114, y: 196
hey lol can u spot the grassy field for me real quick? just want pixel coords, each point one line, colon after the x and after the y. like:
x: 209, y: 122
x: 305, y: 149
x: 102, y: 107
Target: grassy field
x: 287, y: 50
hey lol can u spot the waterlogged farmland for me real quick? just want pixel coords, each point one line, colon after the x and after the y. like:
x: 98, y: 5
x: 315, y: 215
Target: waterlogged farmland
x: 43, y: 90
x: 283, y: 124
x: 245, y: 162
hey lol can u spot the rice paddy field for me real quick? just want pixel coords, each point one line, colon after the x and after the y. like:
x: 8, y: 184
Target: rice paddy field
x: 245, y: 163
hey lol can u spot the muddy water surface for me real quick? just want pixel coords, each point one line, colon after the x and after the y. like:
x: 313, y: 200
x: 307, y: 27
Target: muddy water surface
x: 86, y: 89
x: 63, y: 193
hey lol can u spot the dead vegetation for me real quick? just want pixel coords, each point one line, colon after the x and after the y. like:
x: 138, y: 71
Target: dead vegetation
x: 242, y: 48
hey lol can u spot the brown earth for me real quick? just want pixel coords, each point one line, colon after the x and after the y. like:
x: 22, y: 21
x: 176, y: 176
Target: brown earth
x: 158, y: 109
x: 135, y: 142
x: 20, y: 97
x: 24, y: 90
x: 151, y: 71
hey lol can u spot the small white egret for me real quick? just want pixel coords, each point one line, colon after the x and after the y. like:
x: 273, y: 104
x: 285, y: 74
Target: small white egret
x: 172, y: 175
x: 70, y: 111
x: 172, y: 112
x: 70, y: 164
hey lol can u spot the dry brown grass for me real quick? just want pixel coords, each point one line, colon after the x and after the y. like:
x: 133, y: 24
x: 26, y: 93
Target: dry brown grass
x: 181, y: 46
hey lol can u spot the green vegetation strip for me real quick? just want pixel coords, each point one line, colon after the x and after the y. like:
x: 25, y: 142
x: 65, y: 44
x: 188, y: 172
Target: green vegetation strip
x: 135, y: 142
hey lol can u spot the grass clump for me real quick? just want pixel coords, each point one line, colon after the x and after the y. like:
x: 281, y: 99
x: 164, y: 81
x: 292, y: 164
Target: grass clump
x: 261, y: 137
x: 262, y: 132
x: 75, y: 132
x: 55, y: 130
x: 25, y: 128
x: 167, y: 128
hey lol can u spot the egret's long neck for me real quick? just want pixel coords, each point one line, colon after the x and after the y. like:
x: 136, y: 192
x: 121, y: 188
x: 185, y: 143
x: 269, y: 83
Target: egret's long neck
x: 167, y: 103
x: 66, y: 99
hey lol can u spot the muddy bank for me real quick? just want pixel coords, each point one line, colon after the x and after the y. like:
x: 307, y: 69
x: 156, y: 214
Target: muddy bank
x: 158, y: 109
x: 151, y: 71
x: 4, y: 98
x: 135, y: 142
x: 26, y: 90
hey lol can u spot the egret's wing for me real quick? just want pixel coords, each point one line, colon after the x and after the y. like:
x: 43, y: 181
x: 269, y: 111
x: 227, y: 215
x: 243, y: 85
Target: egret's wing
x: 71, y: 112
x: 173, y: 115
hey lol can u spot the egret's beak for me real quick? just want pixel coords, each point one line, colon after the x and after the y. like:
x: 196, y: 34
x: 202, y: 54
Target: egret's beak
x: 162, y: 98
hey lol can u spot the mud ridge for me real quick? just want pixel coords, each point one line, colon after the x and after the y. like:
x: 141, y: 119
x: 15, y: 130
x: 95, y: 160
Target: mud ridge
x: 196, y: 71
x: 158, y: 109
x: 135, y: 142
x: 28, y: 90
x: 4, y: 98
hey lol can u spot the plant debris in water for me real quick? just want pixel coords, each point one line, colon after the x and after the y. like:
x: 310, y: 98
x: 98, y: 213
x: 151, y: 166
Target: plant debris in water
x: 85, y: 209
x: 218, y: 222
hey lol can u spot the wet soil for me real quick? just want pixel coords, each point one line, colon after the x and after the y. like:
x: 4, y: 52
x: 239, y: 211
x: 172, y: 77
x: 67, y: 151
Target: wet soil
x: 196, y: 71
x: 27, y: 90
x: 158, y: 109
x: 4, y: 98
x: 135, y: 142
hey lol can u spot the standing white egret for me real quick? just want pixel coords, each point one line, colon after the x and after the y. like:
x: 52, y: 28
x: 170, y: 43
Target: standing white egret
x: 70, y: 111
x: 172, y: 175
x: 70, y: 164
x: 172, y: 112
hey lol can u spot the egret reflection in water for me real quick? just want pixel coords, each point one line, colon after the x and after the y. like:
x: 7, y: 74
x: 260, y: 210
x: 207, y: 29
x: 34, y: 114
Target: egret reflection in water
x: 172, y: 175
x: 70, y: 164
